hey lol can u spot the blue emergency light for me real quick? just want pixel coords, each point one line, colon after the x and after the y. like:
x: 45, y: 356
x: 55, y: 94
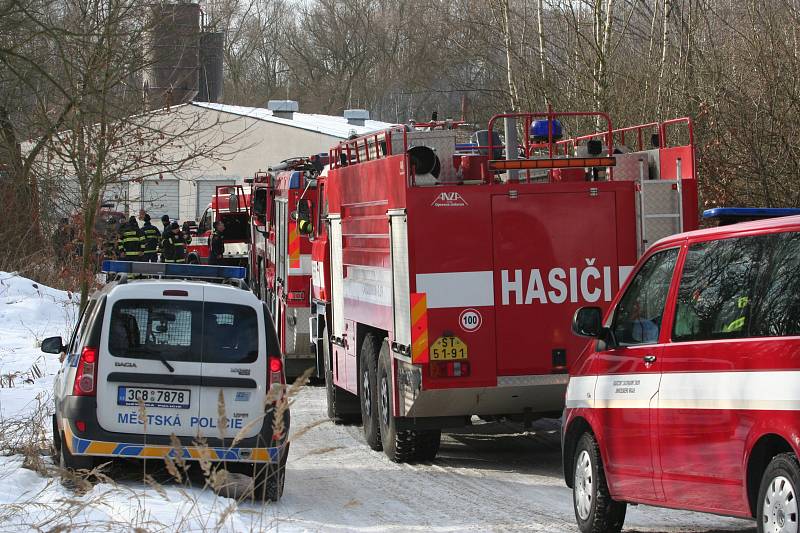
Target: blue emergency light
x: 541, y: 130
x: 175, y: 270
x: 750, y: 212
x: 466, y: 147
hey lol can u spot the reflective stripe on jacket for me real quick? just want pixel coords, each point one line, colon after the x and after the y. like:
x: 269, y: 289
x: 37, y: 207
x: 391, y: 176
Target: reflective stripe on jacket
x: 131, y: 241
x: 173, y: 248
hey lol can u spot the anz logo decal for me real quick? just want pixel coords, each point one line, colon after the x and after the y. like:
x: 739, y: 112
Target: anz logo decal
x: 449, y: 199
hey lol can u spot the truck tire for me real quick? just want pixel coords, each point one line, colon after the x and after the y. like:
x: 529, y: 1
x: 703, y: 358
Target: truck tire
x: 343, y: 407
x: 427, y: 444
x: 777, y: 496
x: 595, y: 511
x: 406, y: 446
x: 367, y: 390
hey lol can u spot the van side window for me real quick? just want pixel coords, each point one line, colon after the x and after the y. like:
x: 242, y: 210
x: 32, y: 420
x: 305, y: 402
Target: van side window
x: 778, y: 313
x: 638, y: 317
x: 715, y: 296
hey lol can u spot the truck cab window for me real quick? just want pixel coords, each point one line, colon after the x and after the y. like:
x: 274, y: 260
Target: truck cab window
x: 205, y: 222
x: 260, y: 202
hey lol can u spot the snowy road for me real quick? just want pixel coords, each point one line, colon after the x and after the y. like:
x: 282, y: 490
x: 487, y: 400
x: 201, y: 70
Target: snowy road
x: 489, y: 479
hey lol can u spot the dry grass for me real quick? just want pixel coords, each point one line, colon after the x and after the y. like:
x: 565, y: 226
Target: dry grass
x: 205, y: 496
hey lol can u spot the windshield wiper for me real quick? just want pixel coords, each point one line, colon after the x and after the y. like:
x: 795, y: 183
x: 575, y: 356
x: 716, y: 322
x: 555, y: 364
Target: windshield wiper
x: 158, y: 355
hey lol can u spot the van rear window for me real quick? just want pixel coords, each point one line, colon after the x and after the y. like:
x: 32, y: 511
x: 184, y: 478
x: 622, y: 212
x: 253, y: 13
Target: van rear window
x: 184, y: 331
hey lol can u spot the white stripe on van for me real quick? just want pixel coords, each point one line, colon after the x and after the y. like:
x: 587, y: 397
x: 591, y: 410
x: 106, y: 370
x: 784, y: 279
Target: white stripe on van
x: 757, y: 390
x: 457, y: 289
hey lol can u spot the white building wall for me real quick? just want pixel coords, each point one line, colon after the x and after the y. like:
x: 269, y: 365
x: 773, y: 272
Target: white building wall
x: 244, y: 146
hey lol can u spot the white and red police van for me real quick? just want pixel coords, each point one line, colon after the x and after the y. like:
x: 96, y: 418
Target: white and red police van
x: 689, y: 396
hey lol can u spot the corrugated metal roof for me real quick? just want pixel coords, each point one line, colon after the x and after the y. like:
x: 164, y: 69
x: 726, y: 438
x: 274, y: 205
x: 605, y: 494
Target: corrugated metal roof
x: 325, y: 124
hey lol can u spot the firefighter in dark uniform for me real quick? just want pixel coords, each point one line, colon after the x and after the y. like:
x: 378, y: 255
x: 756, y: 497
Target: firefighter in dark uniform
x: 187, y: 232
x: 217, y: 246
x: 152, y: 237
x: 165, y: 224
x: 131, y: 241
x: 173, y: 245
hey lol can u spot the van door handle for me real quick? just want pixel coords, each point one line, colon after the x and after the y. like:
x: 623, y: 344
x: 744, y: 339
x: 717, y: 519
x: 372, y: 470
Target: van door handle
x: 649, y: 359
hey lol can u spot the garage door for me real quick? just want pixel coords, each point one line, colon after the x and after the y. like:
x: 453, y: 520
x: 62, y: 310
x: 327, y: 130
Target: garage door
x: 160, y: 197
x: 206, y: 190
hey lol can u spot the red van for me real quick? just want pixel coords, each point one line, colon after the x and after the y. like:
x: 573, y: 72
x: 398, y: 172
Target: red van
x: 689, y: 396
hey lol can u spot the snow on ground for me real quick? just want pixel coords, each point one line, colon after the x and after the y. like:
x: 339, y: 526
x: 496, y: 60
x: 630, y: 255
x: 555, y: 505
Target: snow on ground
x: 494, y: 477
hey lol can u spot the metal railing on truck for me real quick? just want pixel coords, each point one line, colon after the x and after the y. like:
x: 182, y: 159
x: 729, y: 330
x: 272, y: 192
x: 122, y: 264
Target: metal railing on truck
x: 529, y: 157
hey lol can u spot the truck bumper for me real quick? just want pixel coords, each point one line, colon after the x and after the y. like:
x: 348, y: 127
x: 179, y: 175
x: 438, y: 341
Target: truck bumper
x: 513, y: 395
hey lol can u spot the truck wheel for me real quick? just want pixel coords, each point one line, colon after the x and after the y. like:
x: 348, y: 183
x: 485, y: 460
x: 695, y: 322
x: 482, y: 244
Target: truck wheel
x: 404, y: 446
x: 342, y: 406
x: 777, y: 497
x: 67, y: 461
x: 368, y: 391
x: 595, y: 511
x: 427, y: 445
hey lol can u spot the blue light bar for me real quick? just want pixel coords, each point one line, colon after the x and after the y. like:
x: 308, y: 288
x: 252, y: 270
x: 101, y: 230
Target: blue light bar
x: 750, y: 212
x: 463, y: 147
x: 175, y: 270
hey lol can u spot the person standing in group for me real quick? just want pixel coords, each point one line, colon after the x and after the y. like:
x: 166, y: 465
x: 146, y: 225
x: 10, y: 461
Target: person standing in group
x: 152, y: 237
x: 173, y: 245
x: 217, y: 245
x: 165, y: 222
x: 186, y: 229
x: 131, y: 241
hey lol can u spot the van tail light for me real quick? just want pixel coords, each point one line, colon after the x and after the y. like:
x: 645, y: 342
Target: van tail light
x: 275, y: 370
x: 449, y: 369
x: 86, y: 374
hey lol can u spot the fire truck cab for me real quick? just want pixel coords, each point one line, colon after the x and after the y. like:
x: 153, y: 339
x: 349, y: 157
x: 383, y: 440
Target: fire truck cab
x: 283, y: 201
x: 446, y: 276
x: 231, y: 205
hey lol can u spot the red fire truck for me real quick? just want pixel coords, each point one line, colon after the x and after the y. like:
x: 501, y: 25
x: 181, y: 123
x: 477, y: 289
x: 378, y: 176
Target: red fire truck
x: 445, y: 276
x: 280, y: 259
x: 231, y: 205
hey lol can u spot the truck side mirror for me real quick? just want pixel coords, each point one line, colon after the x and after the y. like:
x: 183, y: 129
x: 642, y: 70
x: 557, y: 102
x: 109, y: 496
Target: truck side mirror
x: 588, y: 322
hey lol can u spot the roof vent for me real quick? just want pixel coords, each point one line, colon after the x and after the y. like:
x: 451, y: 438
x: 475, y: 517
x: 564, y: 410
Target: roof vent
x: 283, y: 108
x: 356, y: 117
